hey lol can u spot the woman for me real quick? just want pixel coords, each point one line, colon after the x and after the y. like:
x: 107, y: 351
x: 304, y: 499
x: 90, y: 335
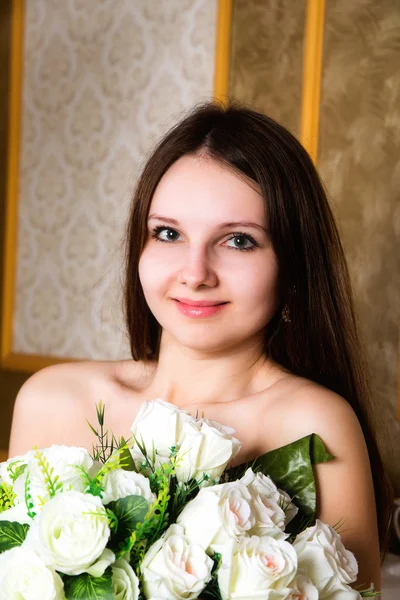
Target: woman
x: 229, y: 212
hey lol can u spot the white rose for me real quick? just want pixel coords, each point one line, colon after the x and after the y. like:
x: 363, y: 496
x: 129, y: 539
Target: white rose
x: 254, y: 565
x: 120, y: 483
x: 125, y: 584
x: 325, y: 560
x: 267, y: 502
x: 175, y: 567
x: 158, y: 426
x: 302, y: 588
x: 217, y: 514
x: 205, y: 448
x: 70, y: 534
x: 24, y: 575
x: 64, y: 460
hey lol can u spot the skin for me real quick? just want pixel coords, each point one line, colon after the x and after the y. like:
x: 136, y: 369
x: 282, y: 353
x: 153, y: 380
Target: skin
x: 213, y: 365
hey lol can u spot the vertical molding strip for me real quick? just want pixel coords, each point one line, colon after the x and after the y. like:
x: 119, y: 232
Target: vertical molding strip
x: 223, y: 50
x: 10, y: 237
x: 312, y: 67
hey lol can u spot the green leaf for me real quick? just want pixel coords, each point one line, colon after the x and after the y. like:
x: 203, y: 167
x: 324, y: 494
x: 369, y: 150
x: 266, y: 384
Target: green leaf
x: 290, y: 467
x: 130, y: 511
x: 212, y: 591
x: 318, y: 452
x: 86, y: 587
x: 12, y: 534
x: 125, y: 457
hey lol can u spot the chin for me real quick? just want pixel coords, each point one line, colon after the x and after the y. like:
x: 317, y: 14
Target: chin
x: 202, y: 339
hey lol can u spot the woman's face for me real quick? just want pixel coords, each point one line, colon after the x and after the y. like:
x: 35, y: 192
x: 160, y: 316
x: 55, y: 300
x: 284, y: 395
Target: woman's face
x: 203, y: 253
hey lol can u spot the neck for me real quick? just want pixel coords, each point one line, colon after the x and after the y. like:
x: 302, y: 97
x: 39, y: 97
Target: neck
x: 187, y: 377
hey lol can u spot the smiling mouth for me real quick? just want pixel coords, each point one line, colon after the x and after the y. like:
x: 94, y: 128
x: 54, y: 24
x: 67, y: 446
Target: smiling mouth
x: 199, y: 304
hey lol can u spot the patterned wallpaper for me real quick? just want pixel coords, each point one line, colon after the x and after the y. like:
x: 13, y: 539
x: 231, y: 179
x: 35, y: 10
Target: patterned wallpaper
x: 102, y: 81
x: 360, y: 165
x: 267, y: 57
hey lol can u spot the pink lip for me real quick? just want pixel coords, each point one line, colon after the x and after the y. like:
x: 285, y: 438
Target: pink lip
x: 198, y: 302
x: 198, y: 311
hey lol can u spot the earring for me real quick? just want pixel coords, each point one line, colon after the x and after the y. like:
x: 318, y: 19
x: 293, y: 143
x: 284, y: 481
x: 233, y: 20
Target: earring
x: 286, y: 314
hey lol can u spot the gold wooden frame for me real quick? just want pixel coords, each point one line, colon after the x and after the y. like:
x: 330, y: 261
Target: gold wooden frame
x: 223, y: 50
x: 312, y: 68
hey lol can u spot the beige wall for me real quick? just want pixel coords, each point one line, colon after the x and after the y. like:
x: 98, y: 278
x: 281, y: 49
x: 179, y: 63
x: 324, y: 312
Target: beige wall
x: 359, y: 157
x: 266, y: 57
x: 359, y: 161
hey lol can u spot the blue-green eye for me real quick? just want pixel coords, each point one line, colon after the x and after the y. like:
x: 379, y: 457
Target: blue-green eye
x: 239, y: 238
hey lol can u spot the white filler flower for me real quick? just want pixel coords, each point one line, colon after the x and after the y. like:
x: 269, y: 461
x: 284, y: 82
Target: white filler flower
x: 325, y: 560
x: 70, y: 534
x: 125, y: 584
x: 205, y: 448
x: 175, y: 568
x: 254, y: 566
x: 120, y: 483
x: 23, y: 575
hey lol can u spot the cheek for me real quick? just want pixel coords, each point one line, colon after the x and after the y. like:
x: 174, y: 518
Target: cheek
x: 151, y: 269
x: 256, y: 282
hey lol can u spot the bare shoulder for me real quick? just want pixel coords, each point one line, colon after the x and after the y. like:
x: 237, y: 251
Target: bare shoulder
x: 316, y: 409
x: 53, y: 404
x: 312, y: 408
x: 300, y: 407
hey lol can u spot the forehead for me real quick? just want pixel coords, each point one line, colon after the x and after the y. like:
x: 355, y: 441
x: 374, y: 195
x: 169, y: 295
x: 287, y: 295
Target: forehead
x: 195, y: 186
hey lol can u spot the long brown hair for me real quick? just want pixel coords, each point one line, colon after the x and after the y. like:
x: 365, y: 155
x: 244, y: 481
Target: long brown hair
x: 321, y: 343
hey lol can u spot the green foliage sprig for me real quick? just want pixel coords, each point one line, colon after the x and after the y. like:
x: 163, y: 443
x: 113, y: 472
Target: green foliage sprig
x: 156, y: 520
x: 118, y: 460
x: 28, y: 497
x: 7, y: 496
x: 15, y: 469
x: 147, y: 466
x: 107, y: 443
x: 182, y: 493
x: 109, y: 516
x: 53, y: 483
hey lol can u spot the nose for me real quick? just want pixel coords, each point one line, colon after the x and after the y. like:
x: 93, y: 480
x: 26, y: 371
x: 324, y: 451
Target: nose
x: 197, y: 269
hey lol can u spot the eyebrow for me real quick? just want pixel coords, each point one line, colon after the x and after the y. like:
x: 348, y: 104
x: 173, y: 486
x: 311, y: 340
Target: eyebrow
x: 221, y: 226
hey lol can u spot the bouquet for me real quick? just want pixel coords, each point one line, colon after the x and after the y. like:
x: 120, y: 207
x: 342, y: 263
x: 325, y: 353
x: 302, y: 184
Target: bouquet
x: 163, y: 517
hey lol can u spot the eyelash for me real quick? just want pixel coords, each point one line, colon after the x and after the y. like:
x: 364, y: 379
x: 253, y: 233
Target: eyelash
x: 156, y: 230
